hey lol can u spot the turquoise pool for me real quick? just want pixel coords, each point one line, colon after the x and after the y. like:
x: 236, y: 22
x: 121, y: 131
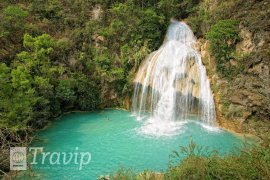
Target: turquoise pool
x: 114, y: 141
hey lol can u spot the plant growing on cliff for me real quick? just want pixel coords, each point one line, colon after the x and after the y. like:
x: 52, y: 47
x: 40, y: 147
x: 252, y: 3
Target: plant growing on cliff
x: 223, y: 37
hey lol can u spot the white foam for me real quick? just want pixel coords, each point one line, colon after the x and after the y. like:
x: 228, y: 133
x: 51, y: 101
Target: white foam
x: 207, y: 127
x: 211, y: 128
x: 156, y: 128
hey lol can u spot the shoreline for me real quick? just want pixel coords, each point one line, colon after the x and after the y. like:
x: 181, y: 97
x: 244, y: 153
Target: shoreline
x: 249, y: 136
x: 242, y: 135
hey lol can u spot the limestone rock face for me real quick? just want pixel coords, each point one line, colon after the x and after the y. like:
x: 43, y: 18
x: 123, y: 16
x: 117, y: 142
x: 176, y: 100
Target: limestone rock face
x: 246, y: 45
x: 246, y: 97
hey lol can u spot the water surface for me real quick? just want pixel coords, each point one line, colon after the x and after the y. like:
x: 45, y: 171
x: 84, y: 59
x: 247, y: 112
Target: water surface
x: 114, y: 140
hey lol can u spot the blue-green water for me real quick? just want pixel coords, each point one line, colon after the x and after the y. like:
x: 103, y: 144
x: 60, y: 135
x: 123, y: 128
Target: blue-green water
x: 112, y: 138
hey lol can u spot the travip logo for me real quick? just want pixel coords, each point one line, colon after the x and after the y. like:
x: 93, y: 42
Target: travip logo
x: 18, y: 158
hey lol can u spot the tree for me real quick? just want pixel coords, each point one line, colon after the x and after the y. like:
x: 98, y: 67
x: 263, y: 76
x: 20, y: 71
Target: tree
x: 87, y: 92
x: 65, y: 93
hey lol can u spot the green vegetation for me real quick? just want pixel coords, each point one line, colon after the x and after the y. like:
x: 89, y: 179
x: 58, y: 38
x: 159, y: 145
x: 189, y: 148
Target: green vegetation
x: 13, y: 21
x: 33, y: 89
x: 223, y: 36
x: 221, y: 21
x: 249, y: 163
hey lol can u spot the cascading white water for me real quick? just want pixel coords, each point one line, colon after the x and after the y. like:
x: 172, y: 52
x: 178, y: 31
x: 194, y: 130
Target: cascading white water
x: 171, y: 85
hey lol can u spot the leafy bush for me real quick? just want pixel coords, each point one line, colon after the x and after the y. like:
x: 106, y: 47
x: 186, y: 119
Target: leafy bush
x: 13, y: 20
x: 223, y: 37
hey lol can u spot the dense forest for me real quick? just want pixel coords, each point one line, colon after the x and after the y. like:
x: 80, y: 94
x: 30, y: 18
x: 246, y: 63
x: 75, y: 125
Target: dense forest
x: 58, y: 56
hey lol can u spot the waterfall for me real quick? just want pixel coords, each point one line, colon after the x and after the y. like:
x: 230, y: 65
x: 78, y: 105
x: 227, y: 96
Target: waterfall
x: 171, y: 85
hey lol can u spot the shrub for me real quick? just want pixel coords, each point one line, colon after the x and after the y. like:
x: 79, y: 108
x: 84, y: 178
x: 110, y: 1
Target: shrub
x: 13, y: 19
x: 250, y: 162
x: 223, y: 37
